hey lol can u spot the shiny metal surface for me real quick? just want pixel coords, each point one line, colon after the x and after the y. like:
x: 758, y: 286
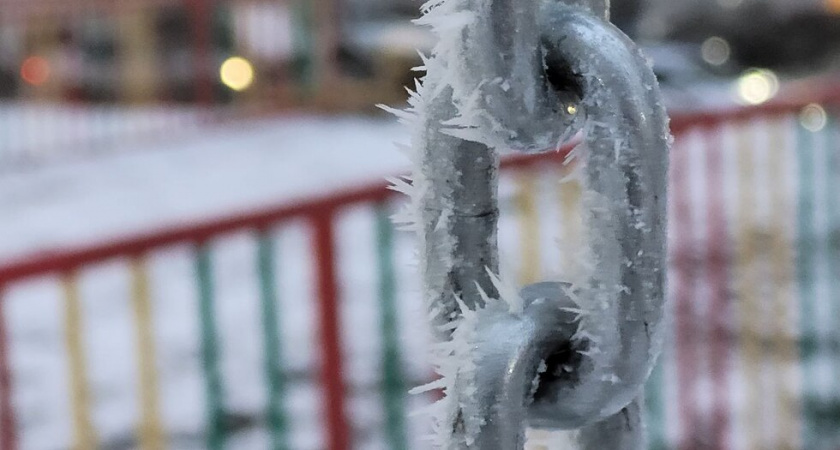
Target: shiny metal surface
x: 547, y: 366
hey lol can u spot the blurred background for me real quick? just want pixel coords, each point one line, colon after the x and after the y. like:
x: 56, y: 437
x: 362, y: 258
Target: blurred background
x: 196, y: 252
x: 99, y: 76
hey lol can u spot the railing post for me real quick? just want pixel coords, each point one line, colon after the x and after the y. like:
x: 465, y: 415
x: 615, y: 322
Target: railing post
x: 275, y: 412
x: 216, y: 433
x: 8, y: 425
x: 566, y: 354
x: 332, y: 367
x: 393, y: 386
x: 150, y: 432
x: 80, y: 396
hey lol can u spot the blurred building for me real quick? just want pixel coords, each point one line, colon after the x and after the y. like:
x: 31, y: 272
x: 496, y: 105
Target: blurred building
x: 293, y: 53
x: 326, y: 54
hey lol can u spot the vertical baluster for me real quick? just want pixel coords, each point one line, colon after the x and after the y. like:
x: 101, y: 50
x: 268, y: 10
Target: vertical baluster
x: 718, y: 241
x: 84, y: 433
x: 216, y: 432
x: 805, y: 264
x: 748, y: 253
x: 339, y: 435
x: 8, y: 424
x: 529, y: 227
x: 832, y: 272
x: 818, y: 280
x: 151, y: 435
x: 393, y: 380
x: 655, y: 407
x: 572, y: 230
x: 783, y: 278
x: 277, y: 421
x: 680, y: 279
x: 683, y: 280
x: 656, y: 413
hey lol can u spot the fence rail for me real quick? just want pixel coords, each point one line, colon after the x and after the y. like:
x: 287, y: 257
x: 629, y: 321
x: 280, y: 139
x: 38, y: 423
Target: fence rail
x: 715, y: 243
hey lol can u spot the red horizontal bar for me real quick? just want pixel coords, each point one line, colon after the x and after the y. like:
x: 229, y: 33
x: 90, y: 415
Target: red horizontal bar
x: 71, y: 259
x: 74, y: 258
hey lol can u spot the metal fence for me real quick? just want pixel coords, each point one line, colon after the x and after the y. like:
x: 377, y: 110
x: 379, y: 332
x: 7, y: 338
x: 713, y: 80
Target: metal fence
x: 301, y: 326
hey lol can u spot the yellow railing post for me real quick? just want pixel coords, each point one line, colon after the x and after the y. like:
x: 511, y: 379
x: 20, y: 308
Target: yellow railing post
x: 150, y: 431
x: 571, y: 236
x: 529, y: 231
x: 84, y: 432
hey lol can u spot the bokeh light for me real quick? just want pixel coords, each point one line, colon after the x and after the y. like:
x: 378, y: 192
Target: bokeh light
x: 237, y: 73
x: 833, y: 6
x: 35, y: 70
x: 716, y: 51
x: 757, y: 86
x: 813, y: 117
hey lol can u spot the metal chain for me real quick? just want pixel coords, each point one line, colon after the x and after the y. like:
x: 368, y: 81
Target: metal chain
x: 575, y: 356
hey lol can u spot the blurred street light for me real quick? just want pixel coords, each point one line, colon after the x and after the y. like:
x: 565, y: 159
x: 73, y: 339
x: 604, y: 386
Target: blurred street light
x: 35, y: 70
x: 237, y: 73
x: 716, y: 51
x: 813, y: 117
x: 757, y: 86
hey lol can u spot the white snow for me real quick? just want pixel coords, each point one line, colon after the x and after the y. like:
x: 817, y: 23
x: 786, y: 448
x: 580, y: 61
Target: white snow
x: 217, y: 173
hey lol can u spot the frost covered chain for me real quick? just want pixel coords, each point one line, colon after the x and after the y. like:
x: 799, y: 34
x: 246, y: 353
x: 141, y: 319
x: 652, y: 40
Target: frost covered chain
x: 570, y: 354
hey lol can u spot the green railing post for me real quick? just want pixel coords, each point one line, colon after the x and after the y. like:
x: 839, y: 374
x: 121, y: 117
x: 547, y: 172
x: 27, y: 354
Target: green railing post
x: 276, y: 417
x: 393, y: 382
x: 809, y: 339
x: 655, y: 407
x: 215, y: 438
x: 832, y: 163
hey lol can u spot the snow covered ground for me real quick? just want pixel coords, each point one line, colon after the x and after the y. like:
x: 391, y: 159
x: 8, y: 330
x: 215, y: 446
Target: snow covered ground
x: 216, y: 173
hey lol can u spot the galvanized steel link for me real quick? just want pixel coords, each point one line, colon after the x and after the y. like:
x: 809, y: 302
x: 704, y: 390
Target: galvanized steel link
x: 563, y: 361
